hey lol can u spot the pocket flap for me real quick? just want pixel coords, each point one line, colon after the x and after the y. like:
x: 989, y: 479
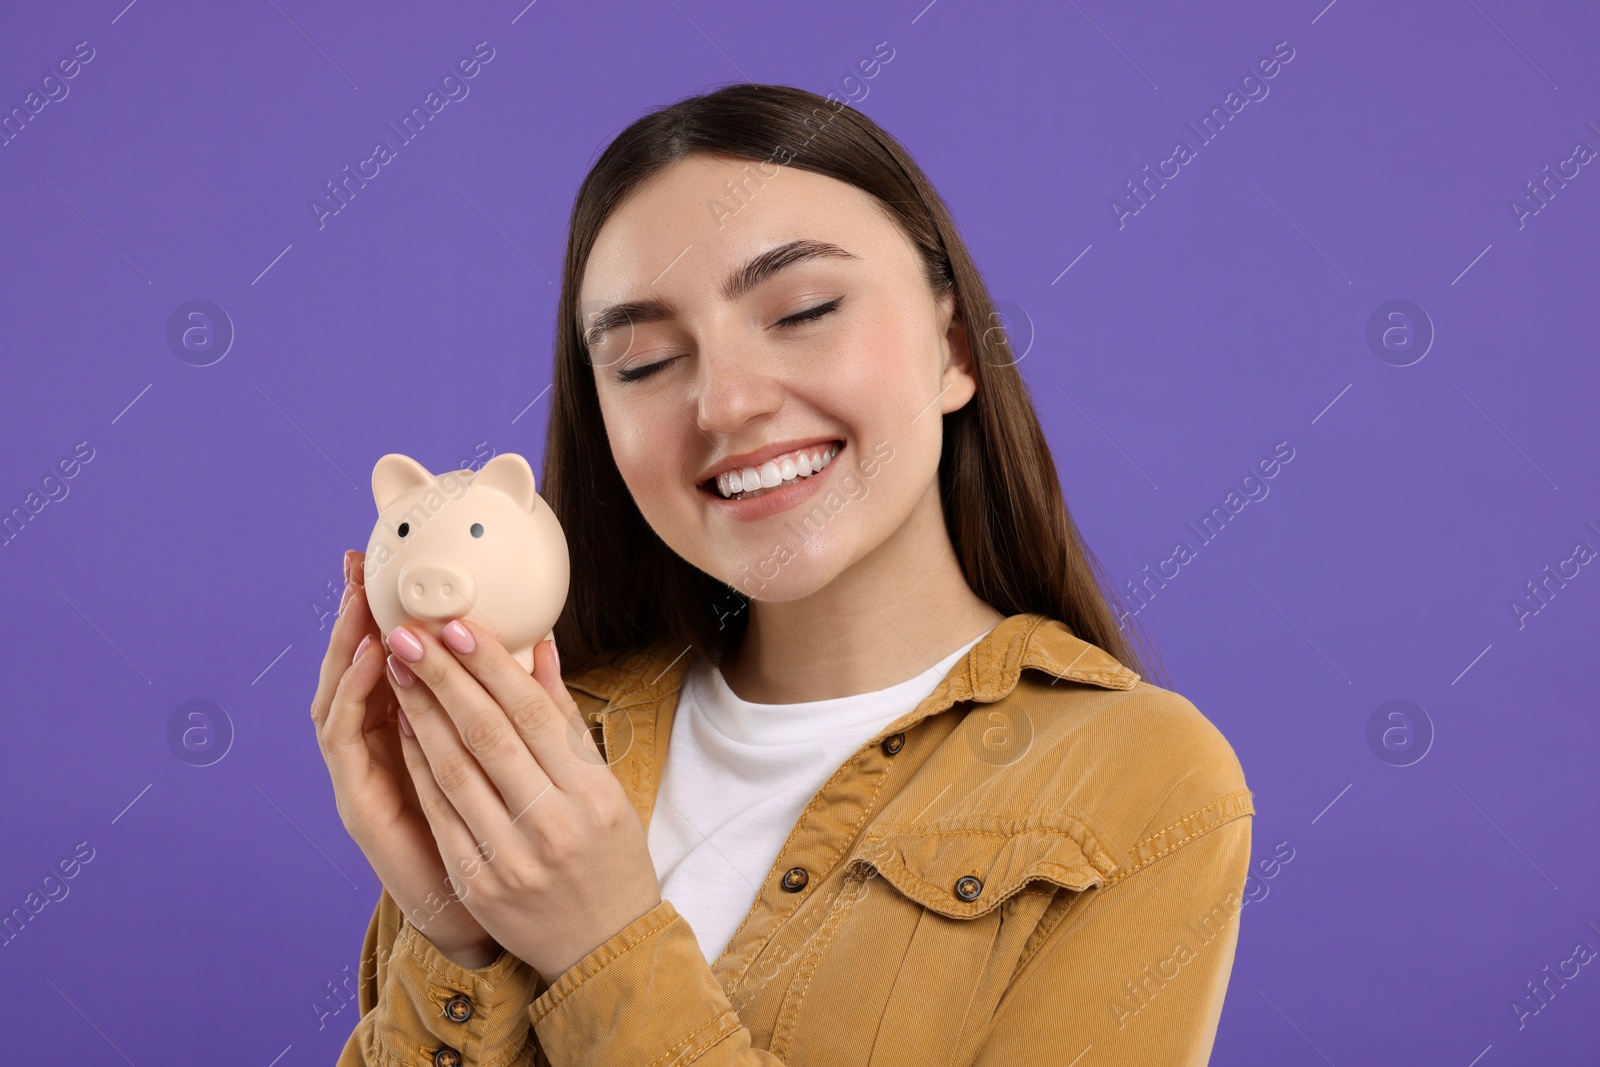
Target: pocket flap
x: 963, y: 872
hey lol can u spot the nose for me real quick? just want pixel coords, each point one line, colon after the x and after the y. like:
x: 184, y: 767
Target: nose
x: 733, y: 390
x: 437, y: 589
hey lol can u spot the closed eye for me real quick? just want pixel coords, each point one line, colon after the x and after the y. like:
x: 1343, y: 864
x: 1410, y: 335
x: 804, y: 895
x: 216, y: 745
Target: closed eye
x: 634, y: 374
x: 810, y: 314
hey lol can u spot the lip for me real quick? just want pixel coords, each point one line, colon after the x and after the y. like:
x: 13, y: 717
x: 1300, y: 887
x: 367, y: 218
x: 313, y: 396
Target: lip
x: 774, y: 500
x: 761, y: 455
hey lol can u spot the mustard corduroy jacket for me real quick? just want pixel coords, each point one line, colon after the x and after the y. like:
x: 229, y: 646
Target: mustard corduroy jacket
x: 1041, y: 863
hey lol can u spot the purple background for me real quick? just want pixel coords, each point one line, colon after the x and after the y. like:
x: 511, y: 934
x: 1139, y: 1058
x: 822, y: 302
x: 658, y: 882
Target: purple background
x: 189, y: 558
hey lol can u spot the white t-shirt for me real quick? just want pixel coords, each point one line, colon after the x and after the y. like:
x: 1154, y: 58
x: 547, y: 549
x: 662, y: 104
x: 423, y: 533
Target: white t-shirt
x: 737, y: 777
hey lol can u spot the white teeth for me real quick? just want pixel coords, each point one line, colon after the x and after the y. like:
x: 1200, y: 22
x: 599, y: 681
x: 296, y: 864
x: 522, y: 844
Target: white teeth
x: 774, y: 473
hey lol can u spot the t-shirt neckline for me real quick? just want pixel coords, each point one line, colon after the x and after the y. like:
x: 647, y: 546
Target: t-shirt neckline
x: 753, y: 723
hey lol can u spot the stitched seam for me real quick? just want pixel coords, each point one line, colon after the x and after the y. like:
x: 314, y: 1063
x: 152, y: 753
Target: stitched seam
x: 1051, y: 823
x: 939, y: 895
x: 1170, y: 848
x: 930, y: 832
x: 866, y: 810
x: 641, y: 936
x: 1053, y: 917
x: 730, y: 1032
x: 900, y: 974
x: 1215, y: 817
x: 511, y: 1047
x: 995, y: 677
x: 641, y: 767
x: 1198, y: 811
x: 503, y: 964
x: 623, y: 679
x: 1213, y: 812
x: 379, y: 1049
x: 972, y: 995
x: 783, y: 1030
x: 674, y: 1056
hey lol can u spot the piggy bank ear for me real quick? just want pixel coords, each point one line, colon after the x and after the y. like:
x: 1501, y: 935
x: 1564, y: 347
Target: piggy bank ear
x: 396, y: 475
x: 511, y: 474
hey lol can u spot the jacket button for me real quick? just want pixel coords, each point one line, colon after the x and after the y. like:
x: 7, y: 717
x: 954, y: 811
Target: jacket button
x: 893, y: 743
x: 458, y: 1009
x: 446, y: 1057
x: 968, y: 887
x: 794, y: 879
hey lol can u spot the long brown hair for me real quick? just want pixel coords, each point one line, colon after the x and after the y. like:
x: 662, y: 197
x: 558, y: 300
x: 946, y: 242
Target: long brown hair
x: 1018, y: 546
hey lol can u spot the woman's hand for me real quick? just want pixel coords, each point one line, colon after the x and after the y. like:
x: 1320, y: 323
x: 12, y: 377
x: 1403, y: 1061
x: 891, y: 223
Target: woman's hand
x: 354, y: 712
x: 516, y: 790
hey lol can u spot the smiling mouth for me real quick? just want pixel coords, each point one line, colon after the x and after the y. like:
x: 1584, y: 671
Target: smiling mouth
x: 750, y: 482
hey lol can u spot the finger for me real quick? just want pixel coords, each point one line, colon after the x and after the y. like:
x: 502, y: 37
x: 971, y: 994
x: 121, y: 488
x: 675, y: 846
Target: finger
x: 548, y: 726
x: 485, y: 720
x: 349, y: 627
x: 547, y: 672
x: 452, y: 835
x: 341, y: 735
x: 447, y: 765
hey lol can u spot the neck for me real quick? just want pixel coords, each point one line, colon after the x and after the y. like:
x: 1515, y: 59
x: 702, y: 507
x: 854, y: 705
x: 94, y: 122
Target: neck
x: 888, y: 617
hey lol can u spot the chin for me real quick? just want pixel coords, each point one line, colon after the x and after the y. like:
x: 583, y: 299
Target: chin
x: 780, y: 573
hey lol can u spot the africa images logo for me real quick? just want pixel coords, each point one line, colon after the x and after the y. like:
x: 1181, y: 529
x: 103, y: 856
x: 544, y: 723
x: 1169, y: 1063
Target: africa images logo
x: 454, y: 88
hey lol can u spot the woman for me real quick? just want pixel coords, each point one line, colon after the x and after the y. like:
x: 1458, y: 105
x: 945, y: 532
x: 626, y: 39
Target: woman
x: 881, y: 782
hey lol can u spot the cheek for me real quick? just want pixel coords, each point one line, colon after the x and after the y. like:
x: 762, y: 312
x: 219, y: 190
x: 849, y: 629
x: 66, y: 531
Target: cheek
x: 647, y: 448
x: 637, y: 455
x: 890, y: 358
x: 873, y: 380
x: 883, y: 388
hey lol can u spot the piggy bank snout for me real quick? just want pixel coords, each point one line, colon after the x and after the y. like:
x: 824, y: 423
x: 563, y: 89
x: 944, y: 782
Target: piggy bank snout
x: 437, y: 589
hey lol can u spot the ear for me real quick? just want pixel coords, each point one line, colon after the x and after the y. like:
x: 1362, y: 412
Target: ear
x: 396, y: 475
x: 511, y: 475
x: 958, y: 382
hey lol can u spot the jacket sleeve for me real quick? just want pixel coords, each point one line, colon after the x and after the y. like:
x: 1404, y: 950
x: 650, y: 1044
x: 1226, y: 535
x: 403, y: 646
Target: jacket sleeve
x: 414, y: 1002
x: 646, y: 996
x: 1135, y: 970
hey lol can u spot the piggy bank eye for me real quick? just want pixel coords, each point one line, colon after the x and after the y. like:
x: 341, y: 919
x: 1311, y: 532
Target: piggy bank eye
x: 405, y: 528
x: 477, y: 529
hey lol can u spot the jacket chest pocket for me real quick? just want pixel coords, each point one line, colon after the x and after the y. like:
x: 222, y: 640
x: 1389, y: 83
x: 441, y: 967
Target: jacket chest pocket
x: 937, y: 920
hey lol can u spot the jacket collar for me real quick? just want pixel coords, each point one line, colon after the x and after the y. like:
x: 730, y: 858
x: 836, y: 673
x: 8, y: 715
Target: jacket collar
x: 988, y: 672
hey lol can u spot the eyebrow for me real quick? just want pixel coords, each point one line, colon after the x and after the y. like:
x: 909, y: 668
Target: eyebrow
x: 739, y: 282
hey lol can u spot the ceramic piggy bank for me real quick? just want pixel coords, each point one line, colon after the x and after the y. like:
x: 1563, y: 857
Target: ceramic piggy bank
x: 484, y: 546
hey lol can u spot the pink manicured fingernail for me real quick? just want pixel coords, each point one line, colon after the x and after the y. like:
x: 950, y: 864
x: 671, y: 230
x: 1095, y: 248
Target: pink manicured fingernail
x: 401, y: 673
x: 362, y: 647
x: 555, y: 654
x: 405, y: 724
x: 459, y: 637
x: 402, y: 641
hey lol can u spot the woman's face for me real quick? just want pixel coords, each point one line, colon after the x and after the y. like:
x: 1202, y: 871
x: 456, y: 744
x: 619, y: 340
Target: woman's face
x: 775, y: 318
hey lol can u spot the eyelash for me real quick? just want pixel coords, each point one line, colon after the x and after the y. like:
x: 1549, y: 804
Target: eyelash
x: 634, y: 374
